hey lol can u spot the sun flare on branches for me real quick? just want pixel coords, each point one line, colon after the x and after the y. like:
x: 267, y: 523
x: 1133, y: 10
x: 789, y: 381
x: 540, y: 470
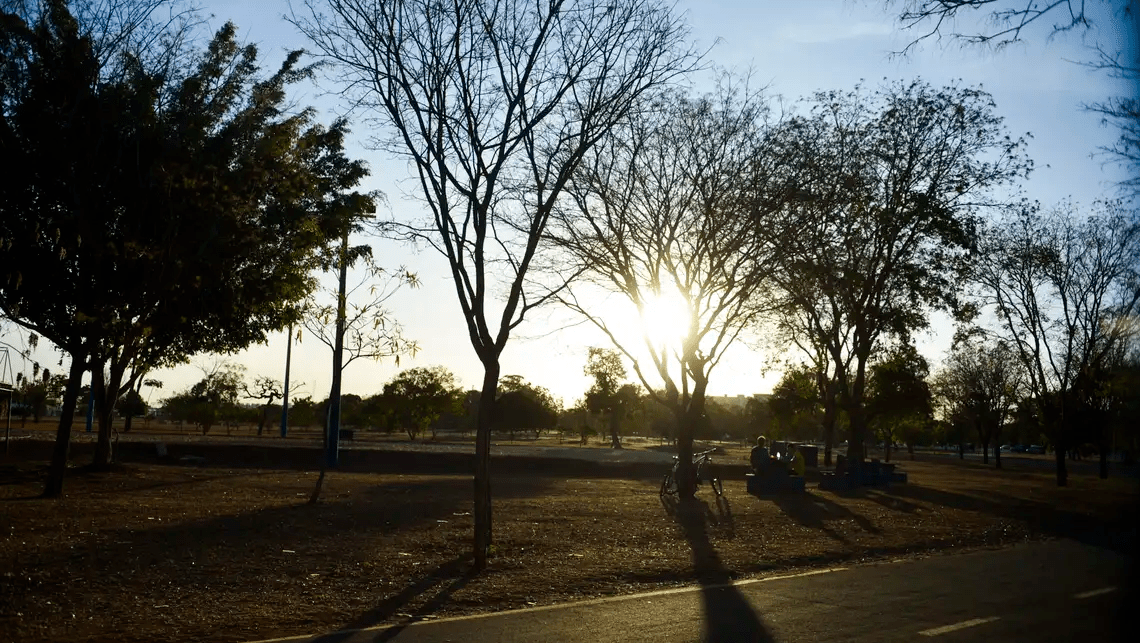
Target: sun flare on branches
x: 665, y: 318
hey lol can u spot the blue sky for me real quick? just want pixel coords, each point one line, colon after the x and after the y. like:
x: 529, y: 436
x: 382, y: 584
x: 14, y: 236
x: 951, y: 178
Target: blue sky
x: 794, y: 47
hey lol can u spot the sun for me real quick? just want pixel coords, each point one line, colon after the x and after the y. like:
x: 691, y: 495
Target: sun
x: 665, y: 318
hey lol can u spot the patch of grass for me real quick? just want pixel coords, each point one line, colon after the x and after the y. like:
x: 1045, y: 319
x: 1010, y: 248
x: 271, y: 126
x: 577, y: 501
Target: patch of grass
x: 178, y: 554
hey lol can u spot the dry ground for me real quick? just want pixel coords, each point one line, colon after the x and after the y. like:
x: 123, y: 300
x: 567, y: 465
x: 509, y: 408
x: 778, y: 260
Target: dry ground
x: 149, y: 552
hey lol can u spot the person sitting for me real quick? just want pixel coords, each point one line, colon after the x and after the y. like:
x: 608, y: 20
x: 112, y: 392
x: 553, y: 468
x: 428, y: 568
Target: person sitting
x: 796, y: 460
x: 760, y: 458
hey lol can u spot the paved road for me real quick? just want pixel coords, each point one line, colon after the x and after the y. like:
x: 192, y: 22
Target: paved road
x: 1051, y: 591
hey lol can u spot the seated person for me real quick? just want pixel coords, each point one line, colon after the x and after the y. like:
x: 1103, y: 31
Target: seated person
x: 760, y: 458
x: 796, y: 460
x: 763, y: 464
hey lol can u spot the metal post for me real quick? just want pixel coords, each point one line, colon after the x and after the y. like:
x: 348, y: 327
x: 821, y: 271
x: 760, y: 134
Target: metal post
x: 285, y: 393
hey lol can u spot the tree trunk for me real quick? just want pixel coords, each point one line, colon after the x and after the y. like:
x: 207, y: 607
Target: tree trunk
x: 106, y: 392
x: 332, y: 450
x: 856, y: 436
x: 1103, y: 462
x: 54, y: 486
x: 615, y: 425
x: 997, y: 453
x: 482, y: 481
x: 1062, y: 470
x: 316, y: 495
x: 827, y: 391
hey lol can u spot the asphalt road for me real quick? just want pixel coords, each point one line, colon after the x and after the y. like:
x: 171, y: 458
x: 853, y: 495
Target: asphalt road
x: 1050, y: 591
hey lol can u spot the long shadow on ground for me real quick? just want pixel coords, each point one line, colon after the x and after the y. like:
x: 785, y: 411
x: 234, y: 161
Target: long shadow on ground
x: 452, y: 575
x: 728, y: 615
x: 1118, y: 533
x: 813, y: 511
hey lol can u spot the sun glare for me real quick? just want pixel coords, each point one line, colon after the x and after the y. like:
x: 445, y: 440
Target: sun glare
x: 665, y: 318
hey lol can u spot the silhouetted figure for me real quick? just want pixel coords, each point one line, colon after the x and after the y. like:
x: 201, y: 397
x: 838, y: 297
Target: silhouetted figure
x: 760, y: 458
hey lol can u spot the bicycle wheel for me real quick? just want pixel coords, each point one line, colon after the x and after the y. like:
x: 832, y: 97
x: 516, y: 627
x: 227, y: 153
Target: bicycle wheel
x: 668, y: 485
x: 718, y: 486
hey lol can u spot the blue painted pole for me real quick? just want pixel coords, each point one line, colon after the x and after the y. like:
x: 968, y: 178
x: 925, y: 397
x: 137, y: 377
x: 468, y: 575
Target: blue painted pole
x: 285, y: 393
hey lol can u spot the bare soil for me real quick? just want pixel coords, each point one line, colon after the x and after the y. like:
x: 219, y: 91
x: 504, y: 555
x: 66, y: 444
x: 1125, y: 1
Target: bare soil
x: 183, y: 553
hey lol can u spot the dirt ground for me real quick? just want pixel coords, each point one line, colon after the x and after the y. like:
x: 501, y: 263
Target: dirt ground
x: 181, y: 553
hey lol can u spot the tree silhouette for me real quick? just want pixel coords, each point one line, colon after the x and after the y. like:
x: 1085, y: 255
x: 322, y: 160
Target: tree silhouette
x: 675, y: 204
x: 1066, y: 292
x: 890, y: 184
x: 494, y: 105
x: 166, y: 212
x: 981, y: 384
x: 609, y: 394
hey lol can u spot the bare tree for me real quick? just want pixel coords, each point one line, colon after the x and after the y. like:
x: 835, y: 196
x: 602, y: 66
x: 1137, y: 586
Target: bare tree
x: 1065, y: 293
x: 670, y: 209
x: 494, y: 103
x: 1009, y: 21
x: 268, y: 389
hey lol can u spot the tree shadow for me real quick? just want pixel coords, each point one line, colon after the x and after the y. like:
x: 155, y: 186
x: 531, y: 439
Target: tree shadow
x: 456, y: 574
x: 881, y: 497
x: 728, y: 615
x: 813, y: 511
x: 1118, y: 534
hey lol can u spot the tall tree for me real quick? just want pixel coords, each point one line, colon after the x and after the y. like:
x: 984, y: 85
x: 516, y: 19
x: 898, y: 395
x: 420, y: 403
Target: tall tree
x: 522, y: 406
x: 667, y: 218
x: 168, y: 211
x: 891, y: 183
x: 981, y: 383
x: 357, y: 324
x: 418, y: 397
x: 609, y: 394
x: 899, y: 396
x: 795, y: 402
x: 1065, y: 292
x: 494, y: 103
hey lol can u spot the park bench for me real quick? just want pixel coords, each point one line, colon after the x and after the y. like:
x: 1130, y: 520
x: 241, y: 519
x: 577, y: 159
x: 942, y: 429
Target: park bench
x: 776, y: 483
x: 874, y: 474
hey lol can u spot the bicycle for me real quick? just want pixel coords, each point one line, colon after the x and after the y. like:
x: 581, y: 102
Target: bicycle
x: 701, y: 465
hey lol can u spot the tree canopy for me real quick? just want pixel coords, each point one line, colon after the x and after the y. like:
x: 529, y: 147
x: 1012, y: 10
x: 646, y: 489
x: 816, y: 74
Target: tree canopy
x: 155, y: 213
x: 893, y: 182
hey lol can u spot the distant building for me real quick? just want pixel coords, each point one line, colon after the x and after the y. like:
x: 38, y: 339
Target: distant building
x: 735, y: 401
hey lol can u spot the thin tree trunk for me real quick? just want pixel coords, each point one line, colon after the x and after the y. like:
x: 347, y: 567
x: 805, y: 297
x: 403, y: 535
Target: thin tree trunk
x: 324, y: 465
x: 1062, y: 470
x: 827, y: 391
x: 333, y: 447
x: 105, y: 393
x: 482, y: 481
x: 58, y: 468
x: 615, y: 425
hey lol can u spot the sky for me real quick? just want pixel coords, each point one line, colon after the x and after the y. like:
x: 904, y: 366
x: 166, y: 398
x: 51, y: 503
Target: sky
x: 794, y: 47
